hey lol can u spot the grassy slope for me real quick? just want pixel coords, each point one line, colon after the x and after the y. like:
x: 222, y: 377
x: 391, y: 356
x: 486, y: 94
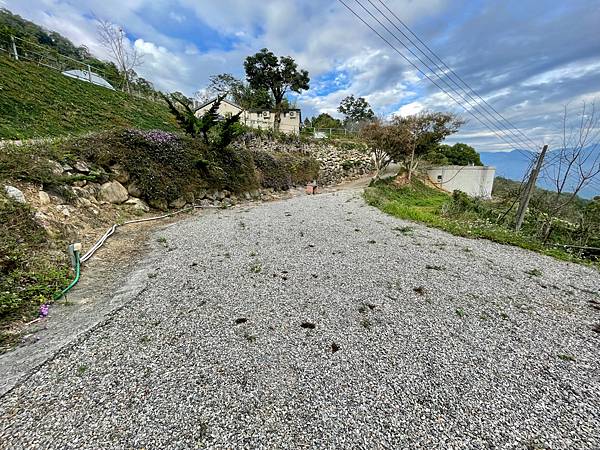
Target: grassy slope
x: 39, y: 102
x: 424, y: 204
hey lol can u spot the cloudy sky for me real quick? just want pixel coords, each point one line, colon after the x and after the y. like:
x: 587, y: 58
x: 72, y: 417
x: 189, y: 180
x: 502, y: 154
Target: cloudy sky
x: 527, y: 58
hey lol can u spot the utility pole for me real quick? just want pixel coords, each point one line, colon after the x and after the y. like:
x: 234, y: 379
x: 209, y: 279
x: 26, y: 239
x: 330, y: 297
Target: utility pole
x: 528, y: 191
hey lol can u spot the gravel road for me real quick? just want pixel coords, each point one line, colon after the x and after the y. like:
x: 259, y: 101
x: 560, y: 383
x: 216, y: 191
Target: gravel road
x: 319, y: 322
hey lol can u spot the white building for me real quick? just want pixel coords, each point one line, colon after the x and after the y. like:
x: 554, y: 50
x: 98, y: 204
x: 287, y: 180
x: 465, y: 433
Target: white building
x: 255, y: 118
x: 476, y: 181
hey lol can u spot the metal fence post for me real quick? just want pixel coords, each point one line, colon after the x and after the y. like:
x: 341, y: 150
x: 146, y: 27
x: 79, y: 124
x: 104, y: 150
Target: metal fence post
x: 89, y: 73
x: 14, y: 47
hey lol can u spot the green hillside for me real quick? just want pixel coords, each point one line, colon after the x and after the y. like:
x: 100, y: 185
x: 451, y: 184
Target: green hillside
x: 39, y: 102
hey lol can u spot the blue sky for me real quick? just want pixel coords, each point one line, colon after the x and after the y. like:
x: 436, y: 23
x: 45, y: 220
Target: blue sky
x: 527, y: 58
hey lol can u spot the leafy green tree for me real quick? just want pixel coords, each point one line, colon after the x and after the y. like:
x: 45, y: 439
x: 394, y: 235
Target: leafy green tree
x: 277, y: 75
x: 408, y: 139
x: 240, y: 93
x: 381, y: 139
x: 458, y: 154
x: 355, y: 111
x: 324, y: 120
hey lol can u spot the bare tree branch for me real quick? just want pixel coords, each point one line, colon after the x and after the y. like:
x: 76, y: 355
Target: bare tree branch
x: 576, y: 163
x: 125, y: 56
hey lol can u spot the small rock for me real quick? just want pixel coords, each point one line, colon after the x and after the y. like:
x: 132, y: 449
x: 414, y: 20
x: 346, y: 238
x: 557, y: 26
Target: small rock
x: 138, y: 204
x: 121, y: 175
x: 134, y: 190
x: 67, y: 168
x: 113, y: 192
x: 80, y: 183
x: 200, y: 194
x: 44, y: 198
x: 80, y: 192
x: 205, y: 202
x: 159, y: 204
x: 15, y: 194
x: 83, y: 202
x: 56, y: 168
x: 92, y: 188
x: 217, y: 203
x: 178, y: 203
x: 81, y: 167
x: 64, y: 210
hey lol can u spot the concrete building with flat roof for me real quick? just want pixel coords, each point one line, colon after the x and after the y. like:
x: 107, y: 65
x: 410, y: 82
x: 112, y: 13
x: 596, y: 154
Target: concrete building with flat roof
x: 476, y: 181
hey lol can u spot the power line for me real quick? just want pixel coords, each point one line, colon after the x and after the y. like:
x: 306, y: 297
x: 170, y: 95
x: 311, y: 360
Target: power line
x: 511, y: 143
x: 490, y: 122
x: 451, y: 71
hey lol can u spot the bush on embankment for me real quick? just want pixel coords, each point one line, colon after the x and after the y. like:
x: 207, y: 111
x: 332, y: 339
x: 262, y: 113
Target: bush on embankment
x: 164, y: 166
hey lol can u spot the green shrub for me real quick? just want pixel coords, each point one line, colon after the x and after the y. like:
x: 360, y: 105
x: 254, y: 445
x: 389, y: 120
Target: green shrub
x: 28, y: 276
x: 166, y: 166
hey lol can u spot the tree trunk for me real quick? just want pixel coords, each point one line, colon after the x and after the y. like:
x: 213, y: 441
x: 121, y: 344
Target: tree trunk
x: 547, y: 230
x: 277, y: 121
x: 411, y: 164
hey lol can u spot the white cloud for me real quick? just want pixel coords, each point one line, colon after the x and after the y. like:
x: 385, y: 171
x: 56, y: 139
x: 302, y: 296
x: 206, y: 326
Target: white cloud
x: 325, y: 38
x: 410, y: 109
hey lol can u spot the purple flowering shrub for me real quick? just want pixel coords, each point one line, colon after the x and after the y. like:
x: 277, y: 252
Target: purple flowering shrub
x: 166, y: 166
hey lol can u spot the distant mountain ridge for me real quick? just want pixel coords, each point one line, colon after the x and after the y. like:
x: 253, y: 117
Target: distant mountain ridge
x: 515, y: 164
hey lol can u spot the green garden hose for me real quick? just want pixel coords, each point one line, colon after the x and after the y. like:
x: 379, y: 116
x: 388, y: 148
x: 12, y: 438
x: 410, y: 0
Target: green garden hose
x: 59, y: 295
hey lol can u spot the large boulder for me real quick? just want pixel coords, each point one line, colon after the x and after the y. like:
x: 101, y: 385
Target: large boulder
x: 113, y: 192
x: 15, y: 194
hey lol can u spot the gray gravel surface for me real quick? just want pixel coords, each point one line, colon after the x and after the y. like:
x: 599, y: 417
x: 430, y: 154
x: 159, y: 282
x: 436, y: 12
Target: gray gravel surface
x: 319, y: 322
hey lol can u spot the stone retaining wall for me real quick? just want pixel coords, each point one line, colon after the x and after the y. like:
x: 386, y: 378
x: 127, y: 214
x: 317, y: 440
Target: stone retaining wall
x: 339, y: 161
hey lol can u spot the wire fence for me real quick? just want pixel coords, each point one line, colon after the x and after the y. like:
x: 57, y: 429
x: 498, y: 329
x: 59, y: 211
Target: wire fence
x: 322, y: 133
x: 23, y: 50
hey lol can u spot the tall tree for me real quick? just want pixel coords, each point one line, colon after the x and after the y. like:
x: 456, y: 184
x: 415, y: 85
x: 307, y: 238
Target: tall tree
x: 324, y: 120
x: 382, y: 139
x: 458, y: 154
x: 126, y: 57
x: 278, y: 75
x: 237, y: 91
x: 355, y: 111
x: 421, y: 133
x: 407, y: 139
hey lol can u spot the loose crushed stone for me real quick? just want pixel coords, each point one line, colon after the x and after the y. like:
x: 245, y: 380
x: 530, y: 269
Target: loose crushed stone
x: 473, y: 352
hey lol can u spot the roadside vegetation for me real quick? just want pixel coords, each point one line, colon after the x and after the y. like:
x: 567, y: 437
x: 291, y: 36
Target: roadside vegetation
x: 462, y: 215
x: 571, y: 232
x: 33, y: 266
